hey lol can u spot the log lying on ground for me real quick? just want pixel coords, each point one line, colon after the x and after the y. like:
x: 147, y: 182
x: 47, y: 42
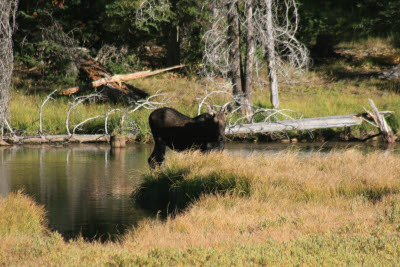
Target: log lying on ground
x: 298, y: 125
x: 117, y: 79
x: 390, y: 74
x: 295, y: 125
x: 76, y: 138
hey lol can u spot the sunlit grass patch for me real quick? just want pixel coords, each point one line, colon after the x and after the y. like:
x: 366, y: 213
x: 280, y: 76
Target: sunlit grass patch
x: 19, y: 215
x: 285, y: 209
x: 287, y: 197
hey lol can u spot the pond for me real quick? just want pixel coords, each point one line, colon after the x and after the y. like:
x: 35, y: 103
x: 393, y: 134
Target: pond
x: 86, y: 189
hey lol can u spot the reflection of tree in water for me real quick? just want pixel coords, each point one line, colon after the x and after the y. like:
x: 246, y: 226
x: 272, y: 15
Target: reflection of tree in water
x: 83, y: 187
x: 5, y: 155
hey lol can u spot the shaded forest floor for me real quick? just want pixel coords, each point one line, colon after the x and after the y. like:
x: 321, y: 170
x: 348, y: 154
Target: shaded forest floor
x: 337, y: 85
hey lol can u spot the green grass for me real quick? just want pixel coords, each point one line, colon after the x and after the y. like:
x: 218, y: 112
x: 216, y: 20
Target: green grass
x: 338, y: 86
x: 342, y: 208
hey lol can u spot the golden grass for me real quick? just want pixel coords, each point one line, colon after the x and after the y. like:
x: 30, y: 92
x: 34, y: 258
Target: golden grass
x: 20, y: 215
x: 289, y: 196
x: 337, y: 208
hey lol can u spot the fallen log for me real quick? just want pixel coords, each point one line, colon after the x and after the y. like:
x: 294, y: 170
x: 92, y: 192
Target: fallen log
x: 296, y: 125
x: 91, y: 70
x: 76, y: 138
x: 299, y: 124
x: 117, y: 79
x: 390, y: 74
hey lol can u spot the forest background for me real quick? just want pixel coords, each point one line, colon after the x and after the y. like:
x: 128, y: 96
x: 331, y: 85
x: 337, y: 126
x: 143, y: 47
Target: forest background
x: 124, y: 40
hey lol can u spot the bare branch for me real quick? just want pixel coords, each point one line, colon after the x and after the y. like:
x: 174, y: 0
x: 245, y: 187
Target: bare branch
x: 136, y: 105
x: 202, y: 102
x: 41, y: 111
x: 76, y: 102
x: 83, y: 122
x: 147, y: 104
x: 106, y: 118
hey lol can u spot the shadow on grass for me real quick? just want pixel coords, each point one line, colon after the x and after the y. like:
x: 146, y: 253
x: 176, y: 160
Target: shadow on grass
x: 373, y: 194
x: 347, y: 67
x: 170, y: 192
x: 389, y: 86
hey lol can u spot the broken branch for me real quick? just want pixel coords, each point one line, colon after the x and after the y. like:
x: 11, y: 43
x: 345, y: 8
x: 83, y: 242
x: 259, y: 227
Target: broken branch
x: 117, y: 79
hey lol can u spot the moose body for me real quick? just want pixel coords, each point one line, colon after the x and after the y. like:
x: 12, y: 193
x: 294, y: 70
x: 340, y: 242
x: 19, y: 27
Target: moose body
x: 172, y: 129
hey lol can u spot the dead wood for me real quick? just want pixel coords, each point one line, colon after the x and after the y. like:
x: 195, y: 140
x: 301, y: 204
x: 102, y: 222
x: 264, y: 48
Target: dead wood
x: 390, y: 74
x: 381, y: 123
x: 300, y: 124
x: 296, y: 125
x: 77, y: 138
x: 95, y: 75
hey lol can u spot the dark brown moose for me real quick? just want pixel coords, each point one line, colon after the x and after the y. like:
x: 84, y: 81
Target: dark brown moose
x: 179, y: 132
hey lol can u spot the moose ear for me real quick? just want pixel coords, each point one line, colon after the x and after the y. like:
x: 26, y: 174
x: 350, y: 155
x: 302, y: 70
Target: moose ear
x: 227, y: 108
x: 210, y: 109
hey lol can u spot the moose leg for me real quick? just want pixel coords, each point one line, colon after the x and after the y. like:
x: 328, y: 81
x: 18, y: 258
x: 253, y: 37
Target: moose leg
x: 157, y: 157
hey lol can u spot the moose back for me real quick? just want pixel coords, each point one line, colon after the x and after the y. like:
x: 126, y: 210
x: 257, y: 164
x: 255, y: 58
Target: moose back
x: 172, y: 129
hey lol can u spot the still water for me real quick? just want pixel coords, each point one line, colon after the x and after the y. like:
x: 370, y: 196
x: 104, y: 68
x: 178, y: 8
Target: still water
x: 86, y: 188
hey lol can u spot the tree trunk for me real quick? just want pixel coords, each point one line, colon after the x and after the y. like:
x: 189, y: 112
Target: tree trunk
x: 273, y: 78
x: 173, y: 37
x: 234, y: 49
x: 250, y: 53
x: 7, y: 21
x: 173, y: 47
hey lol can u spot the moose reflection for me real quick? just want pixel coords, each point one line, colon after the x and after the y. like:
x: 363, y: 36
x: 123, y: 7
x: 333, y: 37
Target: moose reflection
x: 179, y: 132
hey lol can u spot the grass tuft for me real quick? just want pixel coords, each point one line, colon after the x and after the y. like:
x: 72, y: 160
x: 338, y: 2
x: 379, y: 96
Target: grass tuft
x: 19, y: 215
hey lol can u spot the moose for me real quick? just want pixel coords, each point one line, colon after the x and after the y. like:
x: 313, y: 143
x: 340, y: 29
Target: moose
x: 179, y: 132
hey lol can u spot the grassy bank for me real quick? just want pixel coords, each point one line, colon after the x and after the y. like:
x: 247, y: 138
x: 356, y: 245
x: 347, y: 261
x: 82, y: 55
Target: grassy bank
x: 335, y: 86
x: 286, y: 209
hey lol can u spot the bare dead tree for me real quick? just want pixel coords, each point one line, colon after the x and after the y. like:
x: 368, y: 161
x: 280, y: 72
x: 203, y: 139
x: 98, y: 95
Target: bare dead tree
x: 8, y: 9
x: 276, y: 24
x: 267, y: 26
x: 250, y: 55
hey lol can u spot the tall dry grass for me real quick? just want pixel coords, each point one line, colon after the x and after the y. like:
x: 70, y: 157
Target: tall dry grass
x: 286, y: 209
x: 279, y: 197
